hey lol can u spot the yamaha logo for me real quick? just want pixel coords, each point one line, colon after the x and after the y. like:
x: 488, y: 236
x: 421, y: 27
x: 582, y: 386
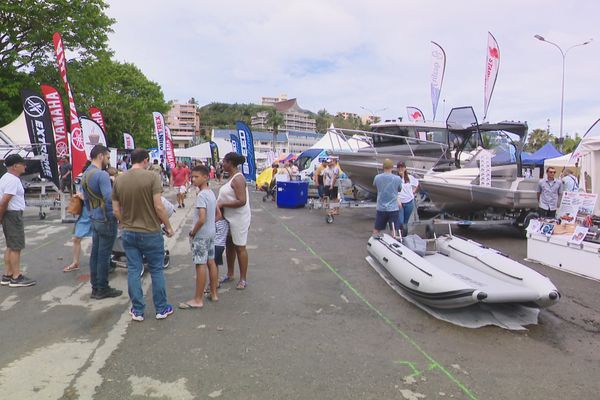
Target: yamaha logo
x: 34, y: 106
x: 77, y: 139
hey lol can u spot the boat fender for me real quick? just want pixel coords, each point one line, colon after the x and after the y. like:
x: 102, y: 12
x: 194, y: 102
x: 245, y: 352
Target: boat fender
x: 481, y: 296
x: 554, y: 295
x: 414, y: 282
x: 385, y: 259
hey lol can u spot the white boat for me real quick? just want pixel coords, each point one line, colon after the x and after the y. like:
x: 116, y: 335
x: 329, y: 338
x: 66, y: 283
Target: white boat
x: 459, y: 273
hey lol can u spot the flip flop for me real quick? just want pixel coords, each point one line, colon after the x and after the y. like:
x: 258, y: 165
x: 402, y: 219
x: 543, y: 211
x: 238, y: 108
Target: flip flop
x: 186, y: 306
x: 225, y: 278
x: 69, y: 268
x: 241, y: 285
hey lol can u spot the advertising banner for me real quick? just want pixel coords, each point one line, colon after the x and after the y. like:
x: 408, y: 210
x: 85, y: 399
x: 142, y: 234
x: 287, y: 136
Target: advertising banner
x: 492, y: 65
x: 57, y: 116
x: 159, y: 131
x: 414, y: 114
x: 214, y: 153
x: 92, y: 135
x: 247, y: 150
x: 78, y: 157
x: 128, y: 141
x: 235, y: 143
x: 97, y: 116
x: 438, y: 65
x: 41, y: 136
x: 169, y: 151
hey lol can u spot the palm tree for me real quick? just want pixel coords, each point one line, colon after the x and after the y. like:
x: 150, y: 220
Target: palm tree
x: 275, y: 120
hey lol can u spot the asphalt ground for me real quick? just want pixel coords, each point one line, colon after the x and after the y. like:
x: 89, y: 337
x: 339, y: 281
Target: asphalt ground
x: 316, y: 321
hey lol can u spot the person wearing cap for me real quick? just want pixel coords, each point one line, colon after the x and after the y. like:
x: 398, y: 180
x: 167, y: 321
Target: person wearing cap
x: 406, y: 197
x: 388, y: 212
x: 12, y: 204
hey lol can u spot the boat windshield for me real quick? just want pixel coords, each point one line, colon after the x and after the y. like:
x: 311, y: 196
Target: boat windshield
x: 502, y: 145
x: 394, y: 135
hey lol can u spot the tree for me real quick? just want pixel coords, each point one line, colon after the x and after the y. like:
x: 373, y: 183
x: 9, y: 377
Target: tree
x: 570, y: 144
x: 28, y: 25
x: 126, y: 97
x: 275, y: 120
x: 537, y: 138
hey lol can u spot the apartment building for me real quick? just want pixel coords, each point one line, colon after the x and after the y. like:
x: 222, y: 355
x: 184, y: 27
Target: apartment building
x: 184, y: 122
x: 295, y: 119
x: 270, y: 100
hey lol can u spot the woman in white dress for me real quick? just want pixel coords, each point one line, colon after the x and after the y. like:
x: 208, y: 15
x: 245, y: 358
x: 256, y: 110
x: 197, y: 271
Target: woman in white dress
x: 406, y: 197
x: 233, y: 200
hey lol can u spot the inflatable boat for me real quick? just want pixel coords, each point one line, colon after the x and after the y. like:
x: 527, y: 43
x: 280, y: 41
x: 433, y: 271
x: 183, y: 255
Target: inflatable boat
x: 459, y: 272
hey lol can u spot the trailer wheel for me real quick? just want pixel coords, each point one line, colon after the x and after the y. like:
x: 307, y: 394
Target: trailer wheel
x: 42, y: 215
x: 526, y: 220
x: 329, y: 219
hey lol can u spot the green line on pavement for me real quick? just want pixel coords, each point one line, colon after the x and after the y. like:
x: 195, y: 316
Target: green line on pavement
x: 434, y: 363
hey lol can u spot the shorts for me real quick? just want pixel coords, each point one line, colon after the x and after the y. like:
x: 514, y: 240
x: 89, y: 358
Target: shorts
x: 383, y: 218
x: 181, y: 189
x: 331, y: 193
x: 203, y: 249
x: 14, y: 230
x: 219, y: 254
x: 83, y: 225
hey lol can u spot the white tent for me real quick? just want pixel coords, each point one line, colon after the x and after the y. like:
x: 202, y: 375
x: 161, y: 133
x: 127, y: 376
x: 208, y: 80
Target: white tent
x: 562, y: 162
x: 202, y: 151
x: 333, y: 140
x: 17, y: 130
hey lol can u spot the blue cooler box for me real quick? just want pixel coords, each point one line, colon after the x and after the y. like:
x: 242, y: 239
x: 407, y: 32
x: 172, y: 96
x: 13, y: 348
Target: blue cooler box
x: 292, y: 194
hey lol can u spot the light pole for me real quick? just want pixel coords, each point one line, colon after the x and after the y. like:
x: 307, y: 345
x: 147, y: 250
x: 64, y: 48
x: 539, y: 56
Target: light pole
x: 564, y: 56
x: 373, y: 112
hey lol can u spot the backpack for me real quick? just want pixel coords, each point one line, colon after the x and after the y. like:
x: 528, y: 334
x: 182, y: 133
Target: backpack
x: 95, y: 200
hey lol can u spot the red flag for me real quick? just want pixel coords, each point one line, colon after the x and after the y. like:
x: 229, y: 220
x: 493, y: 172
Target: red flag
x: 169, y: 148
x: 414, y: 114
x: 129, y: 143
x: 97, y: 116
x: 57, y: 116
x: 78, y: 157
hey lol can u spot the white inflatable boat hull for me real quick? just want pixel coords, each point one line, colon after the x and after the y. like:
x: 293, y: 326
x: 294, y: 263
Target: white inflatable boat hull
x: 461, y: 273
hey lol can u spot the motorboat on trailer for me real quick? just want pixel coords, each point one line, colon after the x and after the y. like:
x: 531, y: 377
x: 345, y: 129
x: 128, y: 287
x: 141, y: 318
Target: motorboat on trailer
x: 421, y: 145
x: 469, y: 188
x: 458, y: 273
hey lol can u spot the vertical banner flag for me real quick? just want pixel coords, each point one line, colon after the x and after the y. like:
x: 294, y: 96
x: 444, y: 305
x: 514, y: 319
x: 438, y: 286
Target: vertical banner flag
x: 414, y: 114
x: 128, y: 141
x: 214, y: 153
x: 247, y: 150
x: 235, y: 143
x: 159, y: 130
x: 492, y: 65
x: 78, y: 157
x: 92, y: 135
x: 57, y: 116
x: 438, y: 64
x: 97, y: 116
x: 37, y: 119
x: 169, y: 151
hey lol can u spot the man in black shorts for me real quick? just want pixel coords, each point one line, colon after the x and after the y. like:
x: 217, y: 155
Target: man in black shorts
x: 330, y: 182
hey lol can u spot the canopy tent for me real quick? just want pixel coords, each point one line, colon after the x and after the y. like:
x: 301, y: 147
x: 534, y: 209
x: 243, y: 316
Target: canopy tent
x: 561, y: 162
x: 333, y: 140
x: 17, y: 130
x: 202, y: 151
x: 537, y: 158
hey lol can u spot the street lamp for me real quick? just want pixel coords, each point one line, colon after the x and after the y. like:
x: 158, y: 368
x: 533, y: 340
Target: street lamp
x: 564, y: 56
x: 373, y: 112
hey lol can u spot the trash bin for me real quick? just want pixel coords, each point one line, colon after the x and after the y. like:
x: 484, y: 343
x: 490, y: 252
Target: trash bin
x: 292, y: 194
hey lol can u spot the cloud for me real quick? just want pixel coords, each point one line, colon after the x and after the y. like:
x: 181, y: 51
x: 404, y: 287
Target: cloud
x: 341, y: 55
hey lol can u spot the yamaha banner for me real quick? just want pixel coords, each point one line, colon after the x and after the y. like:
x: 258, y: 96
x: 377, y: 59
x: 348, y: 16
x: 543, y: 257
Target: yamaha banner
x: 214, y: 153
x: 41, y: 136
x: 247, y: 150
x: 57, y: 116
x: 97, y: 116
x: 235, y: 143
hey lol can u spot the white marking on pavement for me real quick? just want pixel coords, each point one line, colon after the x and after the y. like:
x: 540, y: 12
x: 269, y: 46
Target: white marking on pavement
x: 410, y: 395
x: 80, y: 296
x: 295, y: 261
x: 251, y: 247
x: 216, y: 393
x: 9, y: 302
x: 344, y: 298
x: 152, y: 388
x: 46, y: 372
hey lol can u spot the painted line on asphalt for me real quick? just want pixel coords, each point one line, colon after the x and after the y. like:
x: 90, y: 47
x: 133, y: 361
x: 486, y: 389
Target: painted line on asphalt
x: 434, y: 364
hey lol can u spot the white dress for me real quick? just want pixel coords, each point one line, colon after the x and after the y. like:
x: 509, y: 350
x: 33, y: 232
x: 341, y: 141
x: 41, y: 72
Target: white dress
x: 238, y: 218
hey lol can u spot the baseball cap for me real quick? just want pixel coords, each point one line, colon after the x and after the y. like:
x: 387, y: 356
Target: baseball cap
x: 387, y: 164
x: 13, y: 159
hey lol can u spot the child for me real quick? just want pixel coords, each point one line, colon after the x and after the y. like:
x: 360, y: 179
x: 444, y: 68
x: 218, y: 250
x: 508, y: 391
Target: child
x: 221, y: 227
x: 202, y: 239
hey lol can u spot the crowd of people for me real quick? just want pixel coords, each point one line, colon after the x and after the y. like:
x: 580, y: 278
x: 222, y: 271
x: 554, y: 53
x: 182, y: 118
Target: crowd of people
x: 130, y: 198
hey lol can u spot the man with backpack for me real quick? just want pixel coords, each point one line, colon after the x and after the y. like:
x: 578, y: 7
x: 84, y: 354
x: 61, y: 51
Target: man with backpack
x: 97, y: 191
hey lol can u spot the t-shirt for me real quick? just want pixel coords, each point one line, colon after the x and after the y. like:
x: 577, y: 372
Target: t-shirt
x: 319, y: 173
x: 11, y: 184
x: 206, y: 199
x: 64, y: 168
x: 406, y: 194
x: 179, y: 176
x: 329, y: 174
x: 570, y: 184
x: 549, y: 192
x: 134, y: 190
x: 156, y: 168
x: 99, y: 183
x: 388, y: 185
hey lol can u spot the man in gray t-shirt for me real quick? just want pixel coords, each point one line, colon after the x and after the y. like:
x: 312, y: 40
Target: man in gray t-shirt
x: 202, y: 239
x: 549, y: 192
x: 388, y: 212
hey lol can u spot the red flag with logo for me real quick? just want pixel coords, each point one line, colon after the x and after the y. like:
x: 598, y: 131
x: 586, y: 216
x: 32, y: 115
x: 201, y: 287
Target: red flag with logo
x: 169, y: 148
x: 414, y: 114
x: 491, y: 71
x: 78, y: 157
x: 97, y: 116
x: 57, y: 116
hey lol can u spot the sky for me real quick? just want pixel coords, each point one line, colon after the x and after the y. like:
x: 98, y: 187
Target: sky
x: 376, y: 55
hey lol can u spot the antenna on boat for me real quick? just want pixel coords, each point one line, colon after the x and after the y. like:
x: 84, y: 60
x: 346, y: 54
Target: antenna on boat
x: 450, y: 229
